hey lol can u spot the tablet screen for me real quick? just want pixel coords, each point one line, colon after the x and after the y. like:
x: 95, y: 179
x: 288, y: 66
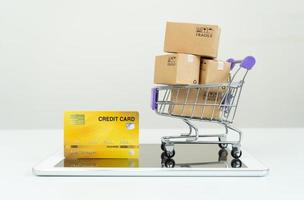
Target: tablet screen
x: 151, y: 155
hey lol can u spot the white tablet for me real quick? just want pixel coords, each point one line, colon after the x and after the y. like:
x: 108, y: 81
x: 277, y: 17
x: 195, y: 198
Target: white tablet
x: 189, y: 160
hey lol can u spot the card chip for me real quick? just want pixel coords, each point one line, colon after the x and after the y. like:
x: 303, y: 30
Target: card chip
x: 77, y: 119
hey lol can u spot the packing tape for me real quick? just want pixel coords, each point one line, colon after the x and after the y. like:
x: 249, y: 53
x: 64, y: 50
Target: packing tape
x: 190, y: 58
x: 220, y: 65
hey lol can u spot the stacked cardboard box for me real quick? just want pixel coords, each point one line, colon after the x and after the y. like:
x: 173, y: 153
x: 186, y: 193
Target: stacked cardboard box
x: 193, y: 59
x: 210, y: 100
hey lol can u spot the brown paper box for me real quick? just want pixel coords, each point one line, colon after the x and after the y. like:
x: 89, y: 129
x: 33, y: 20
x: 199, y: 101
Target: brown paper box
x: 177, y: 69
x: 197, y: 39
x: 209, y: 112
x: 214, y: 71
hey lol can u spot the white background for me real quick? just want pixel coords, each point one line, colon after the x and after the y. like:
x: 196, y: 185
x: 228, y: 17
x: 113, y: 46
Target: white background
x: 99, y: 55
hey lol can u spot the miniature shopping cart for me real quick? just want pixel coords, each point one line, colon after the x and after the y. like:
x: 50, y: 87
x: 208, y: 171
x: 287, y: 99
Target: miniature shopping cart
x: 215, y: 103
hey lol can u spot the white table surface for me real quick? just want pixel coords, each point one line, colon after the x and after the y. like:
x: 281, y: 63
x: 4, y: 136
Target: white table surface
x: 279, y: 149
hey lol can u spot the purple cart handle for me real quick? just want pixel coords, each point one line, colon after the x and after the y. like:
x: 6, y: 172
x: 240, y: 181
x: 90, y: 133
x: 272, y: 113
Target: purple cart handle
x: 154, y: 96
x: 246, y: 63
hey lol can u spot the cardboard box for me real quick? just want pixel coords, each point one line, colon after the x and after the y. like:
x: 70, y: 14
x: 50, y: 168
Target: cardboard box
x: 209, y: 111
x: 197, y: 39
x: 101, y: 134
x: 214, y: 71
x: 177, y: 69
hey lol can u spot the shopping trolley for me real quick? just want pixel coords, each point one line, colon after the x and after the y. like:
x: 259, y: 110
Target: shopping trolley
x: 216, y: 103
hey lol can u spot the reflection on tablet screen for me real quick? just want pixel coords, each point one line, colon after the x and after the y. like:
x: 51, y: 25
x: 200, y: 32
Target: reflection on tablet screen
x: 151, y: 155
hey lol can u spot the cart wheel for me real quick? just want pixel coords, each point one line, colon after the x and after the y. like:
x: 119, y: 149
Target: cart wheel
x: 222, y: 146
x: 170, y: 154
x: 164, y: 156
x: 236, y: 163
x: 170, y: 163
x: 235, y: 153
x: 223, y: 153
x: 163, y: 160
x: 162, y: 146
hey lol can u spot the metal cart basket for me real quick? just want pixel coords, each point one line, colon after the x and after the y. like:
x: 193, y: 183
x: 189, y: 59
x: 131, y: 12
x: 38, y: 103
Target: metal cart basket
x: 215, y: 103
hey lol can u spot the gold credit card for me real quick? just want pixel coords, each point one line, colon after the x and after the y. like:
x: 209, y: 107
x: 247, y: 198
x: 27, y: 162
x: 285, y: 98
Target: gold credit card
x: 101, y: 134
